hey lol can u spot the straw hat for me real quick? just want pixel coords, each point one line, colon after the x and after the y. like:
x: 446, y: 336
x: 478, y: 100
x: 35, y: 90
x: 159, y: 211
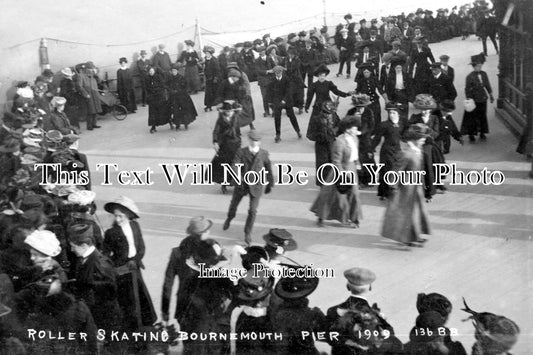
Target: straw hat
x: 124, y: 202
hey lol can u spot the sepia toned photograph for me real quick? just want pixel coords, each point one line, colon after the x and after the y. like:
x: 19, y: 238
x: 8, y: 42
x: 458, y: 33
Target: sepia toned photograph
x: 242, y: 177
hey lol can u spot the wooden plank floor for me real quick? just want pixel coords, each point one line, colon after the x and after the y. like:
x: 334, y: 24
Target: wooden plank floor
x: 480, y: 248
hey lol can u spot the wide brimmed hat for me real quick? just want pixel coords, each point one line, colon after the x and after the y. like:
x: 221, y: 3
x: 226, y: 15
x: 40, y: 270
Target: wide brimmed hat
x: 247, y: 44
x: 209, y: 49
x: 416, y: 132
x: 239, y: 45
x: 433, y: 302
x: 123, y: 60
x: 255, y: 288
x: 253, y: 255
x: 366, y: 66
x: 296, y: 287
x: 82, y: 197
x: 291, y: 36
x: 302, y: 34
x: 90, y: 65
x: 198, y: 225
x: 189, y: 43
x: 230, y: 105
x: 359, y: 100
x: 395, y: 61
x: 278, y: 69
x: 278, y: 237
x: 477, y: 59
x: 208, y: 252
x: 44, y: 242
x: 266, y: 35
x: 257, y: 42
x: 358, y: 276
x: 348, y: 16
x: 424, y: 102
x: 80, y: 233
x: 67, y: 72
x: 124, y: 202
x: 322, y: 68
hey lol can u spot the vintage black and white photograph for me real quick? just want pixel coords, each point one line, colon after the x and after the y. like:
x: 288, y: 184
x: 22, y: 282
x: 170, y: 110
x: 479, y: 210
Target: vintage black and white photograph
x: 245, y: 177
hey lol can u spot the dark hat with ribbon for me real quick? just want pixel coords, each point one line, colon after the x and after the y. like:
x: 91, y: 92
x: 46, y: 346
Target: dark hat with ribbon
x: 247, y: 44
x: 123, y: 60
x: 393, y: 106
x: 358, y: 276
x: 291, y: 36
x: 366, y: 66
x: 234, y: 73
x: 296, y: 287
x: 430, y: 320
x: 278, y: 40
x: 322, y: 68
x: 348, y: 16
x: 81, y: 233
x: 254, y: 287
x: 477, y: 59
x: 208, y: 252
x: 278, y: 237
x: 436, y: 65
x: 239, y: 45
x: 257, y: 42
x: 189, y: 43
x: 253, y: 255
x: 433, y: 302
x: 395, y: 61
x: 198, y: 225
x: 302, y: 34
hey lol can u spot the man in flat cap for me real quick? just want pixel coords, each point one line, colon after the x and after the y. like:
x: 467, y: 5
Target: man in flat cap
x: 446, y: 69
x: 280, y: 96
x: 439, y: 85
x: 359, y: 284
x: 143, y: 64
x: 250, y: 159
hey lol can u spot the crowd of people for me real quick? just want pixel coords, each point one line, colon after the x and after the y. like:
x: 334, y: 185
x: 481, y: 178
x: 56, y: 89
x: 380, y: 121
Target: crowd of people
x: 61, y: 272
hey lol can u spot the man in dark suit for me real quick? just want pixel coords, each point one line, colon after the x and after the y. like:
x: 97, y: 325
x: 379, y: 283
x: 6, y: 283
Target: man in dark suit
x: 385, y: 70
x: 345, y: 44
x: 359, y: 284
x: 440, y: 86
x: 256, y: 160
x: 446, y: 69
x: 143, y: 64
x: 309, y: 59
x: 95, y: 279
x: 279, y: 94
x: 263, y: 77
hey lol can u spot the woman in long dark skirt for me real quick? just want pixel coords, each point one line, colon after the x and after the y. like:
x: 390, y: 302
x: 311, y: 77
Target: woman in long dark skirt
x: 368, y: 84
x: 390, y: 151
x: 124, y: 245
x: 157, y: 99
x: 478, y: 89
x: 323, y: 133
x: 212, y: 78
x: 67, y: 89
x: 406, y: 218
x: 366, y: 153
x: 181, y: 104
x: 321, y: 88
x: 432, y: 154
x: 337, y: 201
x: 190, y: 58
x: 226, y: 139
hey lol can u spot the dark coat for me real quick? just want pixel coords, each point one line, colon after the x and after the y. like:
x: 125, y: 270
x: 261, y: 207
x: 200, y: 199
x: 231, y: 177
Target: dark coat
x: 192, y: 77
x: 309, y: 60
x: 116, y: 248
x: 390, y: 87
x: 475, y: 89
x: 59, y: 121
x: 96, y: 285
x: 322, y: 90
x: 213, y: 76
x: 183, y: 109
x: 261, y: 67
x: 390, y: 151
x: 188, y: 281
x: 162, y: 61
x: 228, y: 136
x: 58, y: 313
x: 449, y: 72
x: 87, y: 85
x: 441, y: 88
x: 157, y: 98
x: 249, y: 59
x: 291, y: 318
x: 384, y: 73
x: 279, y: 90
x: 255, y: 163
x: 355, y: 304
x: 126, y: 89
x: 346, y: 46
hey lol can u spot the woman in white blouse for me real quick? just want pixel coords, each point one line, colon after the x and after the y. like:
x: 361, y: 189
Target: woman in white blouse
x: 124, y: 245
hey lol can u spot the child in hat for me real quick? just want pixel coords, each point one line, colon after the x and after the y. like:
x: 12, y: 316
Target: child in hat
x: 447, y: 127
